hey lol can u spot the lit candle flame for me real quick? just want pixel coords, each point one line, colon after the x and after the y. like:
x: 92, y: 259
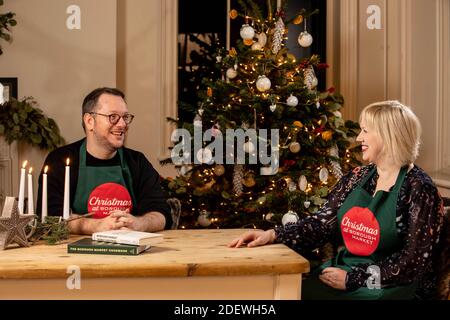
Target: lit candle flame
x: 45, y: 169
x: 31, y: 169
x: 67, y: 161
x: 24, y: 164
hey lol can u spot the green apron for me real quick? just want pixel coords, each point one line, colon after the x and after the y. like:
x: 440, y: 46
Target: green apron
x: 103, y: 189
x: 369, y: 232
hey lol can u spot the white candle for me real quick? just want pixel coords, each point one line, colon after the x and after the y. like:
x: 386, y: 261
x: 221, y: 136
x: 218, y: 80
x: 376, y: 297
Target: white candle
x: 66, y: 208
x: 44, y: 194
x: 278, y: 5
x: 30, y: 192
x: 22, y: 187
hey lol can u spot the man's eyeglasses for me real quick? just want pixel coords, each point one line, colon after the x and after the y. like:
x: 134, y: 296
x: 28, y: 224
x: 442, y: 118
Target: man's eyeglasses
x: 114, y: 117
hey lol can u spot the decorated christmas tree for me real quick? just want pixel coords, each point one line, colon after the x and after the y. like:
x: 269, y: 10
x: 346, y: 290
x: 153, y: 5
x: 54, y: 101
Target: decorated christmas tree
x: 265, y: 145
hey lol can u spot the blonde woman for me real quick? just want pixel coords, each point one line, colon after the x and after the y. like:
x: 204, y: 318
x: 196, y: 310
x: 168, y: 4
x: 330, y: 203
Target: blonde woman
x: 387, y: 216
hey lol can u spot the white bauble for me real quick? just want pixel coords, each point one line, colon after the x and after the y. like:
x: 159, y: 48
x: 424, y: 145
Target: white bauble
x: 292, y: 101
x: 273, y: 107
x: 289, y: 217
x: 337, y: 114
x: 263, y: 83
x: 231, y: 73
x: 204, y: 155
x: 307, y: 204
x: 269, y: 216
x: 185, y: 169
x: 305, y: 39
x: 247, y: 32
x: 302, y: 183
x: 323, y: 174
x: 262, y: 39
x: 256, y: 46
x: 203, y: 219
x: 249, y: 147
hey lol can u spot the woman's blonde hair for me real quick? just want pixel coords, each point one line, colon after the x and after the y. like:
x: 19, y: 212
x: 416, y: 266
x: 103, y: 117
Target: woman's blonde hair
x: 397, y: 126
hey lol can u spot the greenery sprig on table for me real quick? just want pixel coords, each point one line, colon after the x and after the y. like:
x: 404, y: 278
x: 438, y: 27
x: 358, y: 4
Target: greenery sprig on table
x: 6, y: 22
x: 22, y: 120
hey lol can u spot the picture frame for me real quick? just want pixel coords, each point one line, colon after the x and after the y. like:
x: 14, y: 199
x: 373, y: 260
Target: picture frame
x: 9, y: 89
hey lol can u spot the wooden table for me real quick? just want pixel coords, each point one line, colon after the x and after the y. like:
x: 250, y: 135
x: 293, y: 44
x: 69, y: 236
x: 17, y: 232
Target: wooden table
x: 188, y: 264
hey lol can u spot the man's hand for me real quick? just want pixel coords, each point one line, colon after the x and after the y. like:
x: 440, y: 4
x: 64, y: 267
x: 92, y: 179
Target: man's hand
x: 334, y: 277
x: 253, y: 238
x: 129, y: 221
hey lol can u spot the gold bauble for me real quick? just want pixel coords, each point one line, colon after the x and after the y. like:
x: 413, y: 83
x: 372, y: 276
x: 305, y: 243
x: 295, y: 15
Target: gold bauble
x: 249, y: 181
x: 298, y: 19
x: 219, y: 170
x: 233, y: 14
x: 248, y: 42
x: 327, y: 135
x: 294, y: 147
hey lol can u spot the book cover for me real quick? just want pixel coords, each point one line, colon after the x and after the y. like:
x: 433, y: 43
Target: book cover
x: 89, y: 246
x: 128, y: 237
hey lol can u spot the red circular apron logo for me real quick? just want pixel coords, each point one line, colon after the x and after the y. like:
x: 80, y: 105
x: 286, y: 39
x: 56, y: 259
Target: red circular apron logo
x: 108, y: 197
x: 361, y: 231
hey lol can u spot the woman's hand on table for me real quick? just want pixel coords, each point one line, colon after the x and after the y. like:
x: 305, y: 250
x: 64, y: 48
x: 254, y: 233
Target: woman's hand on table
x: 253, y: 238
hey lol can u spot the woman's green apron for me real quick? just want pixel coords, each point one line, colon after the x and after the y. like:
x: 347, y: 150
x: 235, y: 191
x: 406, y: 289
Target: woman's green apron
x: 103, y: 189
x: 369, y: 232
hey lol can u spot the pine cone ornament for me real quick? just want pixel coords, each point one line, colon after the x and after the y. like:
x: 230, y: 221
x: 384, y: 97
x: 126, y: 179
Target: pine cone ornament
x: 238, y: 176
x: 310, y: 78
x: 278, y: 36
x: 335, y: 166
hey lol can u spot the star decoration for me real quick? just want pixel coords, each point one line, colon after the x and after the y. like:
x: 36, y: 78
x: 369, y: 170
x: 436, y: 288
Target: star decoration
x: 12, y: 228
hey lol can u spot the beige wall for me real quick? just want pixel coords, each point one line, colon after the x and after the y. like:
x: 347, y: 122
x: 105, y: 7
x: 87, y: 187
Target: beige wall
x: 146, y: 71
x: 57, y: 66
x: 398, y: 61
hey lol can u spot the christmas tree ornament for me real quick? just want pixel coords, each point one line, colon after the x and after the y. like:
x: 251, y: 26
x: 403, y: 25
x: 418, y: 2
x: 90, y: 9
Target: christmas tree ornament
x: 292, y: 186
x: 302, y: 183
x: 298, y: 19
x: 249, y: 181
x: 262, y: 38
x: 219, y: 59
x: 203, y: 219
x: 263, y: 83
x: 238, y: 175
x: 292, y: 101
x: 209, y: 92
x: 13, y: 224
x: 247, y: 32
x: 289, y: 217
x: 294, y: 147
x: 233, y: 14
x: 327, y: 135
x: 231, y: 73
x: 198, y: 121
x: 317, y: 104
x: 219, y: 170
x: 269, y: 216
x: 256, y: 46
x: 335, y: 166
x: 323, y: 174
x: 232, y: 52
x: 305, y: 39
x: 273, y: 107
x: 298, y: 124
x: 185, y: 169
x: 278, y: 34
x: 310, y: 79
x: 337, y: 114
x: 249, y: 147
x: 307, y: 204
x: 248, y: 42
x: 204, y: 155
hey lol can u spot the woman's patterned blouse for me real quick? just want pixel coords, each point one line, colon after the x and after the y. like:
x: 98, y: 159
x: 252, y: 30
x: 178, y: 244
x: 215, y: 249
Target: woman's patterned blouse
x: 419, y: 220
